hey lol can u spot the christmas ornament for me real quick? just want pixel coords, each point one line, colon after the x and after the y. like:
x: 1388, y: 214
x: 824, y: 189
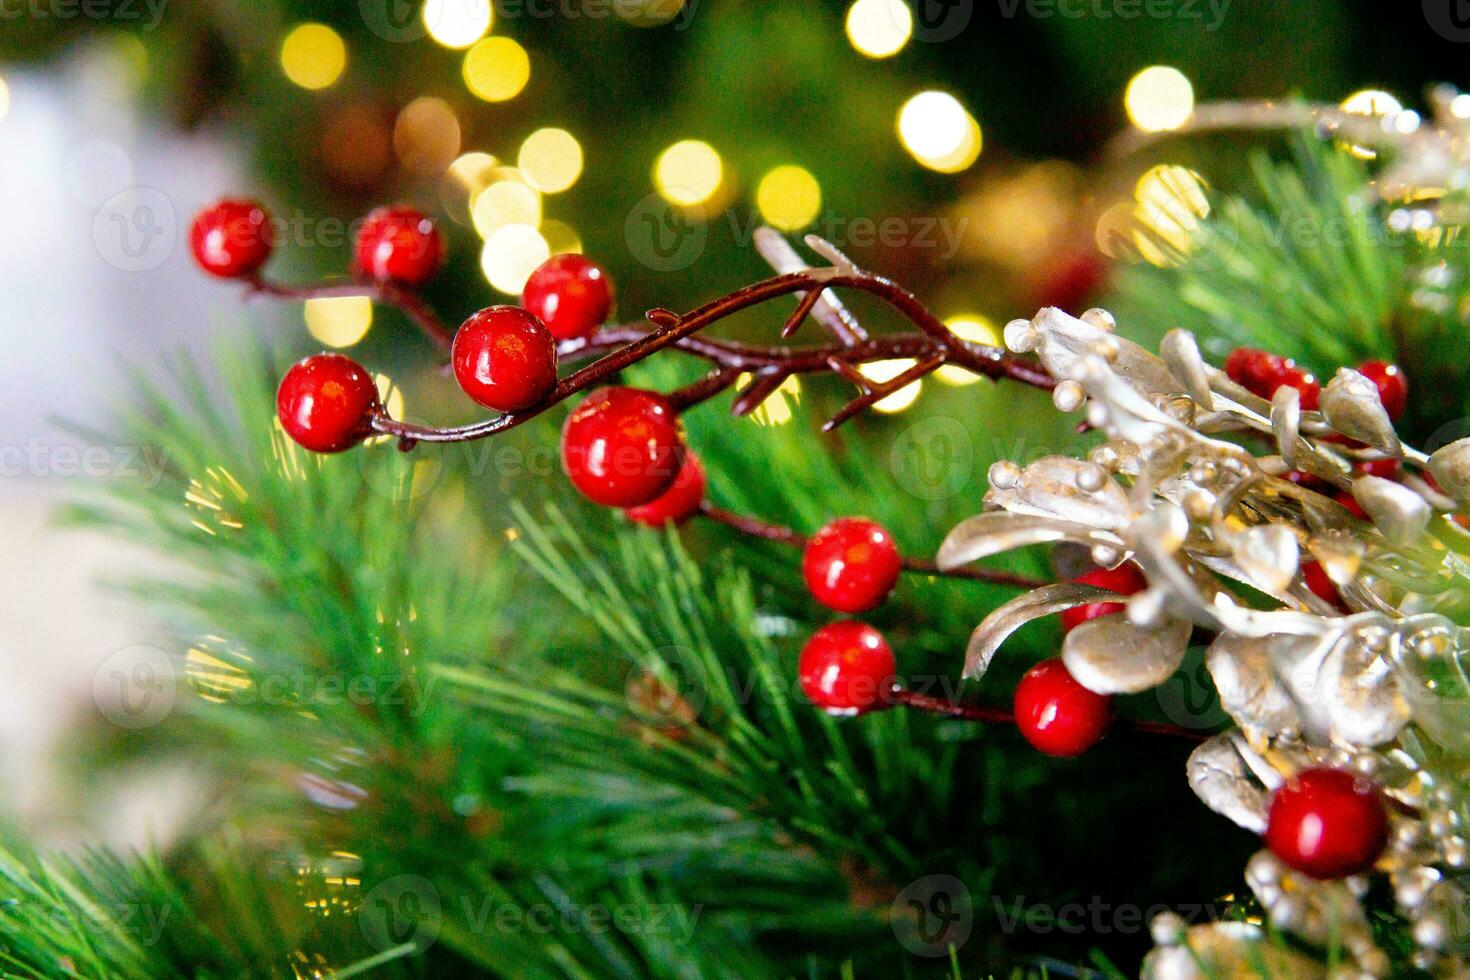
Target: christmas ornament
x: 847, y: 668
x: 399, y: 245
x: 571, y: 295
x: 1327, y: 823
x: 622, y: 447
x: 232, y: 238
x: 326, y: 403
x: 851, y: 564
x: 679, y: 502
x: 504, y: 358
x: 1056, y: 714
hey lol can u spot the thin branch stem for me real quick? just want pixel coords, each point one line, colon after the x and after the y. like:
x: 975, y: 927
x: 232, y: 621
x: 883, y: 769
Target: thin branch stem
x: 968, y: 712
x: 757, y: 528
x: 408, y: 302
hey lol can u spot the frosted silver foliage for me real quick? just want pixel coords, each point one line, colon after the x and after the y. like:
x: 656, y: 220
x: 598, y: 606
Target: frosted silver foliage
x: 1335, y: 638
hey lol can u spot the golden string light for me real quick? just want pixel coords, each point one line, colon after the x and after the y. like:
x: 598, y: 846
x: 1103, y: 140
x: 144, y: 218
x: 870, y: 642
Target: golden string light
x: 976, y: 329
x: 458, y: 23
x: 939, y: 132
x: 1159, y: 98
x: 551, y: 159
x: 339, y: 321
x: 788, y: 197
x: 879, y: 28
x: 496, y: 69
x: 688, y: 173
x: 313, y: 56
x: 511, y: 253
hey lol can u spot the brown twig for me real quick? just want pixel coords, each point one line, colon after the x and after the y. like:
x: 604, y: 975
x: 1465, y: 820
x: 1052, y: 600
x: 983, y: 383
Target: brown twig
x: 757, y: 528
x: 936, y: 346
x: 968, y: 712
x: 405, y: 300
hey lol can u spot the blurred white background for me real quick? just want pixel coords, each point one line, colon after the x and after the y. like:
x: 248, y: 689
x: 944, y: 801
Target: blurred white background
x: 76, y: 300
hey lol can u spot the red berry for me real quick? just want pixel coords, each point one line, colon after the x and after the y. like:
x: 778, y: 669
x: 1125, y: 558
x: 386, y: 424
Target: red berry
x: 504, y: 358
x: 622, y: 447
x: 847, y: 668
x: 1387, y: 469
x: 1352, y: 505
x: 1309, y: 388
x: 1393, y: 387
x: 1056, y: 714
x: 1126, y: 579
x: 1262, y: 373
x: 571, y: 295
x: 399, y: 245
x: 232, y: 238
x: 325, y: 402
x: 1315, y: 577
x: 1327, y: 823
x: 679, y: 502
x: 851, y: 564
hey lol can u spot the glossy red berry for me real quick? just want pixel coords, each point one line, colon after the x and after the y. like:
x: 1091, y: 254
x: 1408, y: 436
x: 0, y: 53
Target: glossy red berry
x: 1327, y: 823
x: 571, y: 294
x: 1352, y: 505
x: 1386, y: 469
x: 1393, y: 387
x: 1056, y: 714
x: 622, y: 447
x: 399, y: 245
x: 326, y: 401
x: 847, y: 668
x: 1262, y: 373
x: 851, y: 564
x: 504, y: 358
x: 1126, y: 579
x: 679, y: 502
x: 1316, y: 579
x: 232, y: 238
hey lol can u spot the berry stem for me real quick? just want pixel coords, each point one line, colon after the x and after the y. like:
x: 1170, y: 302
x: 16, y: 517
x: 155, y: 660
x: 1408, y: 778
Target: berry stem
x: 757, y: 528
x: 930, y: 704
x: 406, y: 301
x: 934, y: 347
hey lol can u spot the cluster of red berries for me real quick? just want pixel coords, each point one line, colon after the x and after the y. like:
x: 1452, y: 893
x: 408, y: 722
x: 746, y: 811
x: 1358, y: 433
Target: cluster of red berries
x: 233, y: 239
x: 1262, y: 373
x: 622, y: 447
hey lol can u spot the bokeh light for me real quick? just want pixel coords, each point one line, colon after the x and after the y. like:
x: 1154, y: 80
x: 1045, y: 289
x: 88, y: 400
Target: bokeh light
x: 496, y: 69
x: 1159, y: 98
x: 879, y: 28
x: 313, y: 56
x: 779, y: 406
x: 506, y: 200
x: 687, y: 173
x: 458, y: 23
x: 1170, y: 208
x: 939, y: 132
x: 4, y: 99
x: 510, y: 255
x: 426, y: 136
x: 561, y: 237
x: 339, y: 321
x: 1369, y: 102
x: 976, y: 329
x: 788, y: 197
x: 551, y: 159
x: 881, y: 371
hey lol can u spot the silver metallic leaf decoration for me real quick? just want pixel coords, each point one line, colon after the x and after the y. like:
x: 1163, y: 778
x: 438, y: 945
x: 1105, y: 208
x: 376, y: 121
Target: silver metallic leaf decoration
x: 1321, y: 664
x: 1110, y: 655
x: 1006, y: 619
x: 1350, y: 402
x: 1221, y: 779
